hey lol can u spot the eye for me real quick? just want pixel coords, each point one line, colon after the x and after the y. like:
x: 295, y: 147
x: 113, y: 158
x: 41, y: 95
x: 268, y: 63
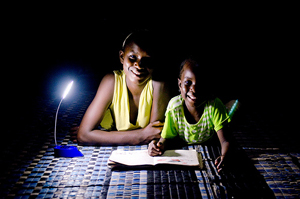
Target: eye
x: 187, y: 82
x: 132, y: 58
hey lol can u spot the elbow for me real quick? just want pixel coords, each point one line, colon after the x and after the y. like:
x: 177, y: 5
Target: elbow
x: 225, y: 142
x: 82, y: 137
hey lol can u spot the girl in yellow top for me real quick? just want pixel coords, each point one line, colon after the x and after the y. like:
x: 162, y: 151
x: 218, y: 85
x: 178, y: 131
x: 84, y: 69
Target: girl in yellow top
x: 128, y: 103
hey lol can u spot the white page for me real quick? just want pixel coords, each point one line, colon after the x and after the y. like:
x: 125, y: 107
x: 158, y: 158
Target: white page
x: 131, y: 158
x: 141, y: 157
x: 178, y: 157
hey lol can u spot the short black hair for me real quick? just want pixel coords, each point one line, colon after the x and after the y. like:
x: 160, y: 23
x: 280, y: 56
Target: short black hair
x: 193, y: 60
x: 143, y: 38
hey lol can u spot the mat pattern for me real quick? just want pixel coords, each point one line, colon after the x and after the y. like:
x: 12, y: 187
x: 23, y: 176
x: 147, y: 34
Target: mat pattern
x: 264, y: 166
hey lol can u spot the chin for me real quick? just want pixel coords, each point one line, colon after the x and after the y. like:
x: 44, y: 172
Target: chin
x: 139, y: 80
x: 192, y: 103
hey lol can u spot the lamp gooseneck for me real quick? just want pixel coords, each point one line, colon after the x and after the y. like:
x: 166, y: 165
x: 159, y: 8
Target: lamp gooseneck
x: 56, y: 121
x: 63, y: 97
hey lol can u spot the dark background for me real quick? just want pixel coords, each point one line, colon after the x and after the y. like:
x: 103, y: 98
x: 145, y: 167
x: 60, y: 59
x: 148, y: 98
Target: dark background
x: 250, y: 50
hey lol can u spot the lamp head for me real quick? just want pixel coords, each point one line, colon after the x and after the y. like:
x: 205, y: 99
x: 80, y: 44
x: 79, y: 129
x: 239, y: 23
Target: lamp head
x: 67, y: 89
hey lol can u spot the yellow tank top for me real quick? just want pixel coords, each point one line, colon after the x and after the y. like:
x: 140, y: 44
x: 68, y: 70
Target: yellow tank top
x: 117, y: 116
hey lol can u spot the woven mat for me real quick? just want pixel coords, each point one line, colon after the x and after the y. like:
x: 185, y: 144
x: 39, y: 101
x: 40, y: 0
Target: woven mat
x: 29, y: 168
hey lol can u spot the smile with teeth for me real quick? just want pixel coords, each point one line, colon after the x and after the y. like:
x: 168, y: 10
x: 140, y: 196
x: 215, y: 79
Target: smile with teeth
x: 136, y: 73
x: 139, y: 74
x: 192, y: 97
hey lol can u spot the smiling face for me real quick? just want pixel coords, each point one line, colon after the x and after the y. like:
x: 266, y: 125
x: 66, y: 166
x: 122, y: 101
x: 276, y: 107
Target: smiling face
x: 136, y: 64
x: 188, y: 85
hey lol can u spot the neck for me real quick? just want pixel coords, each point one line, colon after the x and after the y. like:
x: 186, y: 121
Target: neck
x: 135, y: 89
x: 195, y: 111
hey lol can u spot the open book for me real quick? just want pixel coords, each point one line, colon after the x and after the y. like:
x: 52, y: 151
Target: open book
x: 142, y: 158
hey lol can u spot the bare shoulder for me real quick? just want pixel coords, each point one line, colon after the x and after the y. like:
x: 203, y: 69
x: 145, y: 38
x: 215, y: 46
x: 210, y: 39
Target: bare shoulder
x: 107, y: 82
x: 161, y: 97
x: 159, y: 85
x: 106, y: 87
x: 108, y: 79
x: 161, y: 90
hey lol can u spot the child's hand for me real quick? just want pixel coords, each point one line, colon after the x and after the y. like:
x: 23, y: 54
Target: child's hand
x: 219, y: 162
x: 155, y: 148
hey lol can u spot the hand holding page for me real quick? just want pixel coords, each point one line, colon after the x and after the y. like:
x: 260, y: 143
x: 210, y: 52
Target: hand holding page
x: 142, y: 158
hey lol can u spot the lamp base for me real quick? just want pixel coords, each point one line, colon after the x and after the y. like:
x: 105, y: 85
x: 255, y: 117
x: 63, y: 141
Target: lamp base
x: 67, y: 151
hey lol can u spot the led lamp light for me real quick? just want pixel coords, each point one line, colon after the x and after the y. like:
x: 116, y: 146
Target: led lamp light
x: 67, y: 90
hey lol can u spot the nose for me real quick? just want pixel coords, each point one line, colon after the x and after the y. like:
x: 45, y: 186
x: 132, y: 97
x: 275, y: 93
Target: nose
x: 193, y: 88
x: 138, y: 65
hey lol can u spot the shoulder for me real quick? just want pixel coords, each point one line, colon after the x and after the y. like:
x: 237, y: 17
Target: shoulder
x: 106, y: 87
x: 175, y: 102
x: 215, y: 103
x: 104, y: 93
x: 108, y: 79
x: 161, y: 91
x: 159, y: 85
x: 160, y: 99
x: 217, y: 107
x: 218, y: 103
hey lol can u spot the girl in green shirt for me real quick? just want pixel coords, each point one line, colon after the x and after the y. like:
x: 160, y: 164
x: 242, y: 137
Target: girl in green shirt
x: 192, y: 117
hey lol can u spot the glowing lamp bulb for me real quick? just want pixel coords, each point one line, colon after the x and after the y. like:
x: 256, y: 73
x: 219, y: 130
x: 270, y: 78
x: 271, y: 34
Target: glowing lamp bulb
x: 67, y: 89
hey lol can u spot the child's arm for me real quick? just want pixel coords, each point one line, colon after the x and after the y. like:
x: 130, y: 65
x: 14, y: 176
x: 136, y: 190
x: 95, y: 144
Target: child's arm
x: 224, y: 149
x: 156, y: 147
x: 89, y: 136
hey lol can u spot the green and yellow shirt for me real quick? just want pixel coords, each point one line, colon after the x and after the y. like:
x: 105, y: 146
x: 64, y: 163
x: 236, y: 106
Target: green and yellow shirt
x: 213, y: 118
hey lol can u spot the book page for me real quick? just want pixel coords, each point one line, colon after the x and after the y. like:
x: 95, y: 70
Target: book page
x: 141, y: 157
x: 132, y: 158
x: 178, y: 157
